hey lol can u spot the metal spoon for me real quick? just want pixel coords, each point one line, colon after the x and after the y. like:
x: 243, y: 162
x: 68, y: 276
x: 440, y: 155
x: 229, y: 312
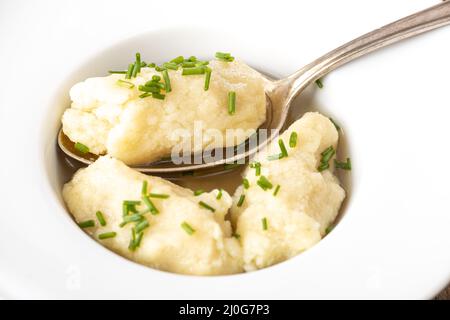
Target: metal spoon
x: 280, y: 93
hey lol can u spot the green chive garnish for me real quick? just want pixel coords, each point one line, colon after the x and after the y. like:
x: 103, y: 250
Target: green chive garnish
x: 141, y: 226
x: 323, y: 166
x: 192, y: 59
x: 206, y: 206
x: 237, y: 236
x: 81, y: 148
x: 152, y: 89
x: 319, y: 83
x: 283, y: 149
x: 198, y: 192
x: 329, y: 229
x: 159, y: 195
x: 107, y: 235
x: 144, y: 187
x: 207, y: 78
x: 159, y: 68
x: 264, y: 183
x: 219, y: 194
x: 171, y: 66
x: 132, y: 218
x: 241, y: 200
x: 257, y: 167
x: 117, y: 71
x: 326, y: 156
x: 168, y: 87
x: 125, y: 209
x: 265, y: 225
x: 275, y: 157
x: 343, y: 165
x: 135, y: 71
x: 201, y: 63
x: 87, y: 224
x: 188, y: 64
x: 177, y: 60
x: 156, y: 78
x: 130, y: 71
x: 158, y: 96
x: 186, y: 227
x: 193, y: 71
x: 132, y: 202
x: 151, y: 65
x: 101, y: 218
x: 155, y: 84
x: 231, y: 102
x: 125, y: 84
x: 150, y: 205
x: 276, y: 190
x: 145, y: 95
x: 293, y: 139
x: 223, y: 56
x: 245, y: 183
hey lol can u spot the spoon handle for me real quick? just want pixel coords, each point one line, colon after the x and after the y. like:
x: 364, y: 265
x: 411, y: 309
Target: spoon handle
x: 420, y: 22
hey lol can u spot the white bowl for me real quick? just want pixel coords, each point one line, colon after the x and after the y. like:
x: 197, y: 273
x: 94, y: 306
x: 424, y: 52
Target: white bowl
x: 393, y: 239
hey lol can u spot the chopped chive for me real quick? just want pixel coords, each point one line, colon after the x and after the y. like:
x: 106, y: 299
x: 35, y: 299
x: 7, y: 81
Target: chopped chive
x: 138, y: 240
x: 141, y: 226
x: 150, y: 205
x: 144, y: 187
x: 275, y: 157
x: 149, y: 89
x: 143, y: 64
x: 186, y: 227
x: 223, y: 56
x: 117, y: 71
x: 188, y: 64
x: 265, y: 225
x: 107, y: 235
x: 125, y: 84
x: 219, y: 194
x: 335, y: 124
x: 293, y: 139
x: 207, y: 78
x: 159, y: 195
x: 201, y: 63
x: 323, y: 166
x: 133, y: 218
x: 198, y: 192
x: 231, y: 102
x: 138, y: 62
x: 329, y: 229
x: 319, y: 83
x: 156, y: 78
x: 257, y: 167
x: 155, y: 84
x: 192, y: 59
x: 132, y: 202
x: 264, y: 183
x: 81, y: 148
x: 87, y: 224
x: 151, y: 65
x: 130, y: 71
x: 241, y: 200
x: 343, y: 165
x: 159, y: 68
x: 276, y: 190
x: 327, y: 154
x: 171, y: 66
x: 135, y: 71
x: 177, y: 60
x: 206, y: 206
x: 229, y: 166
x: 236, y: 235
x: 193, y: 71
x: 101, y: 218
x: 135, y: 242
x: 125, y: 209
x: 283, y: 149
x: 168, y: 87
x: 245, y: 183
x: 158, y: 96
x: 145, y: 95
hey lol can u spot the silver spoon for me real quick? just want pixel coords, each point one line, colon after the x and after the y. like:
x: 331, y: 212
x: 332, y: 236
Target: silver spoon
x: 280, y: 93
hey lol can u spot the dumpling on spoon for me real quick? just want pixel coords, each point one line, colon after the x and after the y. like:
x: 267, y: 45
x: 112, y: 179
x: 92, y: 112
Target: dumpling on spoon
x: 121, y: 117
